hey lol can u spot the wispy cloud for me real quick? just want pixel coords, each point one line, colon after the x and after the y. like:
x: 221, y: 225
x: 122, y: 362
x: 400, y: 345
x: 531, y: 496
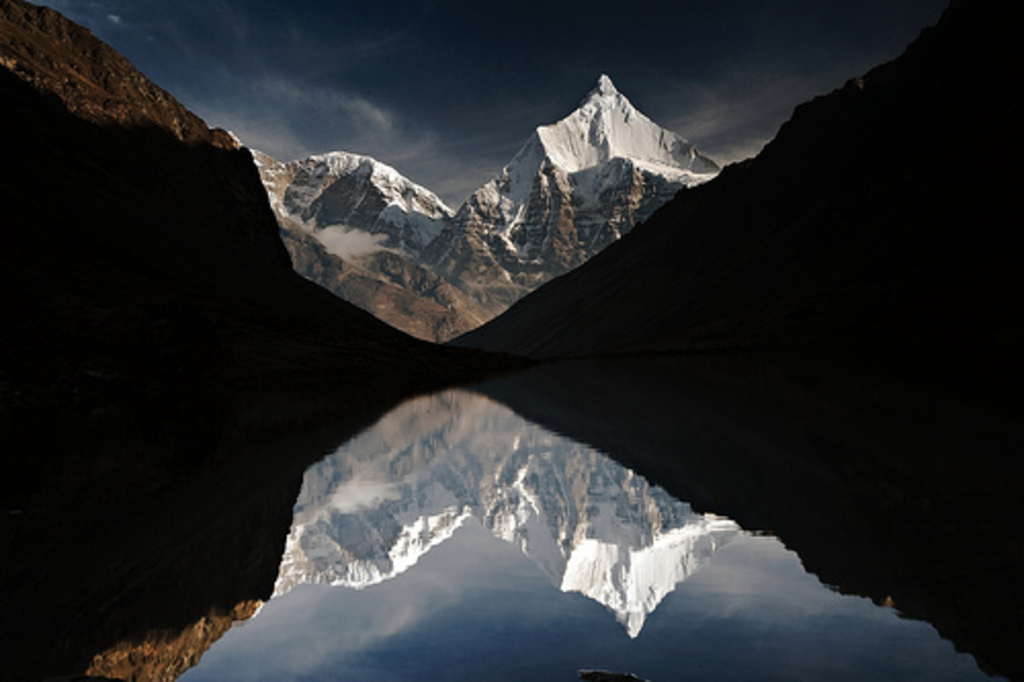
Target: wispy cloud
x: 89, y: 13
x: 287, y: 119
x: 362, y: 115
x: 447, y: 93
x: 733, y: 117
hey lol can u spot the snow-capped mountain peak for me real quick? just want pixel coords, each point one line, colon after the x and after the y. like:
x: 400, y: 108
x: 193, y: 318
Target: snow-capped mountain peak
x: 399, y: 190
x: 575, y: 186
x: 347, y: 192
x: 604, y: 86
x: 607, y: 125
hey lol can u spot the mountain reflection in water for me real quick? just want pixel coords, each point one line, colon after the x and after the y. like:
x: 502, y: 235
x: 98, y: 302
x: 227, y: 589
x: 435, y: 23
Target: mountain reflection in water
x: 371, y: 510
x: 475, y: 532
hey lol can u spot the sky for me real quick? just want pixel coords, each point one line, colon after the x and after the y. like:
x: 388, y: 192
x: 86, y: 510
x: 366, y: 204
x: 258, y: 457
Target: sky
x: 447, y: 91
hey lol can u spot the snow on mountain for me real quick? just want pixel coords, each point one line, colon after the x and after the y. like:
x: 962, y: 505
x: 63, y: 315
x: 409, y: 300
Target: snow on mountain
x: 606, y: 125
x: 351, y: 193
x: 370, y: 511
x: 574, y: 187
x: 354, y: 226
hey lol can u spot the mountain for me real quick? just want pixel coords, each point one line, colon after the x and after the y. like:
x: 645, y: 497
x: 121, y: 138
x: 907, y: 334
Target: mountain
x: 150, y: 315
x: 393, y: 248
x: 853, y: 227
x: 343, y: 193
x: 371, y: 510
x: 354, y: 226
x: 575, y: 187
x: 140, y: 253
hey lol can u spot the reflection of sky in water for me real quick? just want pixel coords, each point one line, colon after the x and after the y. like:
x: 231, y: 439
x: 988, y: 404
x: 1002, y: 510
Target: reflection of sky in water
x: 473, y: 537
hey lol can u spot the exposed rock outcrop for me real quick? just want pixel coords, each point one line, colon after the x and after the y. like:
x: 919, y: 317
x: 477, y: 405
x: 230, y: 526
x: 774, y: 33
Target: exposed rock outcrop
x: 92, y: 80
x: 165, y: 656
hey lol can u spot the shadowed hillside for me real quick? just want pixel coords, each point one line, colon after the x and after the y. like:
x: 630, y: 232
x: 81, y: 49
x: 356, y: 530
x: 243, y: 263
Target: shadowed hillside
x: 139, y: 249
x: 885, y: 487
x: 879, y: 217
x: 140, y: 260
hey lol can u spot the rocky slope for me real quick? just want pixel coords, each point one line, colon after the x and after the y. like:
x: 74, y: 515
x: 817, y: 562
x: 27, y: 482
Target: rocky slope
x: 355, y: 227
x: 387, y: 284
x: 91, y: 80
x: 164, y: 657
x: 354, y: 193
x: 852, y: 227
x: 575, y: 187
x: 140, y: 252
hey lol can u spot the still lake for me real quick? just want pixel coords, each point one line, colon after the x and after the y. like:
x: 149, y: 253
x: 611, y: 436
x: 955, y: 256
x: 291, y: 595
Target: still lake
x: 702, y: 518
x: 457, y: 540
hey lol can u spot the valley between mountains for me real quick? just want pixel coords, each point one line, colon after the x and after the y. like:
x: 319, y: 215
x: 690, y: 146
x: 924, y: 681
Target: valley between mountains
x: 168, y: 370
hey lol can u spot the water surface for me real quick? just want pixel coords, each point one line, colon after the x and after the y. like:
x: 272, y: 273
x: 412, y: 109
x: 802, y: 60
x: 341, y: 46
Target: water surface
x: 455, y: 540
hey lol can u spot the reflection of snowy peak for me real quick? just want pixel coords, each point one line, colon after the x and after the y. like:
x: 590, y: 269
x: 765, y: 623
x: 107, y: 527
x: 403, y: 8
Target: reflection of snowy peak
x: 354, y: 192
x: 632, y: 582
x: 371, y: 510
x: 354, y: 554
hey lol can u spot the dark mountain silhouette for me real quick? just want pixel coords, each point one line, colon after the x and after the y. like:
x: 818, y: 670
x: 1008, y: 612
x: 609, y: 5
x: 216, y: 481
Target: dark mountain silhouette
x: 879, y: 217
x: 873, y: 237
x: 133, y: 533
x: 139, y: 250
x: 140, y: 258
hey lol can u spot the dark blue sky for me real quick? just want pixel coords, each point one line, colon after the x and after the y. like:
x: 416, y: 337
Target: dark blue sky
x: 447, y: 91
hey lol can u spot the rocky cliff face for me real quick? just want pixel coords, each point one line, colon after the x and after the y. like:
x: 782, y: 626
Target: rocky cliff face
x: 355, y: 227
x: 387, y: 284
x: 575, y: 187
x: 91, y: 79
x: 352, y: 192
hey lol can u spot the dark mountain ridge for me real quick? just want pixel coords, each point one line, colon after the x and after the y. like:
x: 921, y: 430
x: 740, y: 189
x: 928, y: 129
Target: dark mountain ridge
x: 877, y: 218
x: 146, y: 296
x: 91, y: 79
x: 140, y: 252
